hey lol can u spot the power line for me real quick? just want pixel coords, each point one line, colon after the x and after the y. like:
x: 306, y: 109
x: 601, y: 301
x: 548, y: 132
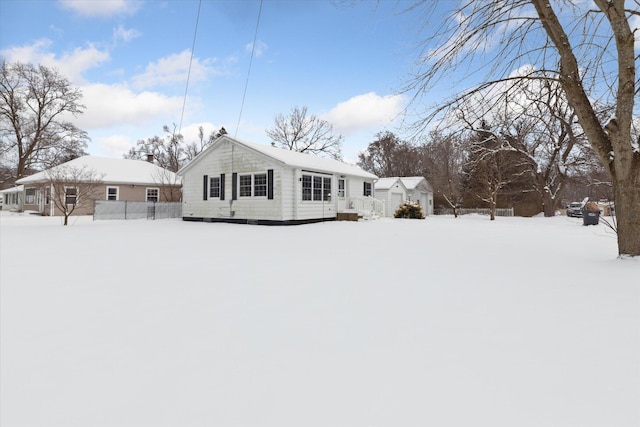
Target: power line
x: 246, y: 84
x: 193, y: 47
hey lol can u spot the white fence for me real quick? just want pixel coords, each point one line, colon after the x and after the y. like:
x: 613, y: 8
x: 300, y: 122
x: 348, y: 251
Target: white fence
x: 116, y: 209
x: 464, y: 211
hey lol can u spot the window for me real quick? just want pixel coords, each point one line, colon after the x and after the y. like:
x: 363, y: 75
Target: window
x: 260, y: 185
x: 112, y: 193
x: 30, y: 196
x: 316, y: 188
x: 214, y: 187
x: 153, y: 194
x: 70, y: 195
x: 253, y: 185
x: 367, y: 189
x: 326, y: 189
x: 306, y: 187
x: 245, y: 185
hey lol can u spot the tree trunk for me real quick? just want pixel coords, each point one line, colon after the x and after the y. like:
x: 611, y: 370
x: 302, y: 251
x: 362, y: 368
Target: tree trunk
x: 627, y: 205
x: 548, y: 204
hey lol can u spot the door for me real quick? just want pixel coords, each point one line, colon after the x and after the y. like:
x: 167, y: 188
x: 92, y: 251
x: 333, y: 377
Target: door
x: 342, y: 195
x: 396, y: 201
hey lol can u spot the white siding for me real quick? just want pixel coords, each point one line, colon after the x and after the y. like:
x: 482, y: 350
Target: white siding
x: 287, y: 204
x: 230, y: 159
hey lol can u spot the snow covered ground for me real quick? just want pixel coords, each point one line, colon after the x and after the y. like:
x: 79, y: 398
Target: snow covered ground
x: 442, y: 322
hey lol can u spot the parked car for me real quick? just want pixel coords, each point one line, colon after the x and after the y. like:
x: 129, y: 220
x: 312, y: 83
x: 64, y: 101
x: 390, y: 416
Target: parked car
x: 574, y: 210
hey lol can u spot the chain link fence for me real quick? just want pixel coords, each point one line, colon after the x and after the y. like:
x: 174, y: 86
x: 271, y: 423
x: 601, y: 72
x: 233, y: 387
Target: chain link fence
x: 116, y: 209
x: 480, y: 211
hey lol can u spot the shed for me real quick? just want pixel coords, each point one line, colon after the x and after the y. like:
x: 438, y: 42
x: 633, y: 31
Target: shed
x: 419, y: 190
x: 398, y: 189
x: 393, y: 192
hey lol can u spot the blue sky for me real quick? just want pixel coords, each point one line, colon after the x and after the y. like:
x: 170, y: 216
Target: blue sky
x: 347, y: 64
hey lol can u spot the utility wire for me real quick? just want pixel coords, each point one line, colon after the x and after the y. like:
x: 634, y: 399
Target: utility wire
x: 193, y: 47
x: 246, y: 84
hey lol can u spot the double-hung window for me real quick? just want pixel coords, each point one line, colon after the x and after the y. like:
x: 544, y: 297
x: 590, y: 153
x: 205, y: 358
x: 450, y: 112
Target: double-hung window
x: 153, y: 195
x: 260, y: 185
x: 30, y: 196
x: 112, y: 193
x: 70, y: 195
x: 367, y: 189
x: 214, y: 187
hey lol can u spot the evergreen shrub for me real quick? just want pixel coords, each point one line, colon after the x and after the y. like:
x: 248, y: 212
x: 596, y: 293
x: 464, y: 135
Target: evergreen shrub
x: 409, y: 210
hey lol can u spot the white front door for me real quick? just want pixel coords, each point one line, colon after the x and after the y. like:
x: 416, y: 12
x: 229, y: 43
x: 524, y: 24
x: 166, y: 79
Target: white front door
x: 342, y: 195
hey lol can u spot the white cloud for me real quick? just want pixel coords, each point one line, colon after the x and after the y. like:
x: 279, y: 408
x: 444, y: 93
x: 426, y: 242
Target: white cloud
x: 121, y: 33
x: 172, y: 69
x: 260, y: 48
x: 70, y: 64
x: 114, y: 146
x: 113, y: 105
x: 101, y: 8
x: 365, y: 111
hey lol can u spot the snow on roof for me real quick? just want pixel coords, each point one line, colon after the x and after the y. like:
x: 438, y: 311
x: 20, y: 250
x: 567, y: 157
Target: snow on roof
x: 411, y: 182
x: 16, y: 189
x: 113, y: 171
x: 385, y: 183
x: 296, y: 159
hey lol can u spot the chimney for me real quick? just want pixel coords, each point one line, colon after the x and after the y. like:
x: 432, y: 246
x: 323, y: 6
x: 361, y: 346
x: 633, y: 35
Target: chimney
x: 150, y: 158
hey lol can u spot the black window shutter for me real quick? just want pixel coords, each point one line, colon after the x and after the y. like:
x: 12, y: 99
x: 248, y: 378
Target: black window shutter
x: 205, y: 181
x: 364, y: 188
x: 234, y: 186
x: 221, y: 186
x: 270, y: 184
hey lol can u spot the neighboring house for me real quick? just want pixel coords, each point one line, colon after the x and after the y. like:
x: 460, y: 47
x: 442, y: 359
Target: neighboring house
x: 119, y: 179
x: 12, y: 198
x: 238, y: 181
x: 396, y: 190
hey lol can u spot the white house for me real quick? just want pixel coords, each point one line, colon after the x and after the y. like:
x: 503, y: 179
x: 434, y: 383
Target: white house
x: 238, y: 181
x: 396, y: 190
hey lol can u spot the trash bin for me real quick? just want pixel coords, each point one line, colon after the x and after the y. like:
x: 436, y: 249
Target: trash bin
x: 590, y: 217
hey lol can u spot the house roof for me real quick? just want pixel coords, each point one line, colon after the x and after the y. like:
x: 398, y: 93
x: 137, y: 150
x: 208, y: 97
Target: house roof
x: 112, y: 170
x: 410, y: 182
x: 387, y: 183
x: 16, y: 189
x: 290, y: 158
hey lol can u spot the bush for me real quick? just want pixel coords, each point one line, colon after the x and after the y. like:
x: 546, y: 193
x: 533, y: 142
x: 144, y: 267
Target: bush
x: 409, y: 210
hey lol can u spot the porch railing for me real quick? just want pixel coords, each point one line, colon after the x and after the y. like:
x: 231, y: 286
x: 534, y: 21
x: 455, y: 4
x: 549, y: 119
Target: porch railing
x: 367, y: 206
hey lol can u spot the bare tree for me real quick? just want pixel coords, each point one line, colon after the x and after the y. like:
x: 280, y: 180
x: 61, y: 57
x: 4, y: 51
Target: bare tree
x: 389, y: 156
x: 72, y: 188
x: 170, y: 152
x: 447, y: 154
x: 33, y: 131
x: 590, y: 52
x: 305, y: 133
